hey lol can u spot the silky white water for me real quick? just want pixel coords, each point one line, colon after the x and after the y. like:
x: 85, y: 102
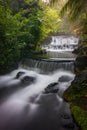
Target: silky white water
x: 61, y: 47
x: 26, y: 105
x: 62, y: 43
x: 29, y: 102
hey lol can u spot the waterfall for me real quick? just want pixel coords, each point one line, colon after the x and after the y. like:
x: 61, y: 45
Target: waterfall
x: 48, y: 66
x: 62, y: 43
x: 61, y: 47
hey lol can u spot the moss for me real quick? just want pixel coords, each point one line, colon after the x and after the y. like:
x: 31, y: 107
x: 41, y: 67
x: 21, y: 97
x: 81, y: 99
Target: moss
x: 76, y: 94
x: 80, y: 116
x: 81, y: 63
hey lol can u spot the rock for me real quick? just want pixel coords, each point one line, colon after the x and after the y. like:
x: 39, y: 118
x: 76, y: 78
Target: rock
x: 85, y: 96
x: 69, y: 126
x: 64, y: 116
x: 82, y: 49
x: 28, y: 80
x: 80, y: 78
x: 51, y: 91
x: 80, y: 83
x: 51, y: 88
x: 19, y: 74
x: 52, y: 85
x: 65, y: 78
x: 81, y: 63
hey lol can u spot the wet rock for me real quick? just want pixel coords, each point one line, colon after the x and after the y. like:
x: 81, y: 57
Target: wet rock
x: 65, y: 78
x: 51, y: 88
x: 69, y: 126
x: 80, y: 83
x: 52, y: 85
x: 51, y: 91
x: 80, y: 78
x: 81, y: 63
x: 19, y: 74
x: 65, y: 116
x: 28, y: 80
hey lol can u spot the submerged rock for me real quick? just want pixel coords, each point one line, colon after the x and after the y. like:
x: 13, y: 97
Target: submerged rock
x: 25, y: 79
x: 65, y: 78
x: 51, y: 91
x: 52, y: 85
x: 51, y: 88
x: 65, y: 116
x: 19, y: 74
x: 69, y: 126
x: 28, y: 79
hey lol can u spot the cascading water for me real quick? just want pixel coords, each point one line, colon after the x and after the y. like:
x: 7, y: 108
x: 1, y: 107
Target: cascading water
x: 48, y: 66
x: 61, y: 47
x: 62, y: 43
x: 31, y: 97
x: 30, y: 107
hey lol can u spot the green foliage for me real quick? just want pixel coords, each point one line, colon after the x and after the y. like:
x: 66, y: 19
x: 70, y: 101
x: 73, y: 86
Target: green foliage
x: 73, y: 8
x: 31, y: 24
x: 22, y: 28
x: 51, y: 22
x: 74, y: 93
x: 78, y: 104
x: 80, y: 117
x: 77, y: 13
x: 17, y: 33
x: 8, y: 46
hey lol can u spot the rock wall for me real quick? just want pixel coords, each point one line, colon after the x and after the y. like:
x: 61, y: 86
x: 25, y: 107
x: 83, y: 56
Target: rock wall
x: 77, y: 92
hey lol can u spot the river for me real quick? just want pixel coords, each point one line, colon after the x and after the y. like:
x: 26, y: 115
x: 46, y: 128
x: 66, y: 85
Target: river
x: 31, y: 97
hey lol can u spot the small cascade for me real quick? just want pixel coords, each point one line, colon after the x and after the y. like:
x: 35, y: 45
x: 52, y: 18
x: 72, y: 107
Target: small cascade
x: 48, y: 66
x: 62, y: 43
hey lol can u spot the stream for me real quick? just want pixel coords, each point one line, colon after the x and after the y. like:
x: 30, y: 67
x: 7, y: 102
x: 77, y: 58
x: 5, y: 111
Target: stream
x: 31, y: 97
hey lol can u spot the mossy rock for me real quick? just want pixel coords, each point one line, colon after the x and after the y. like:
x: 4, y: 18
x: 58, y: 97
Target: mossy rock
x: 80, y: 116
x: 81, y: 63
x: 82, y: 48
x: 80, y: 78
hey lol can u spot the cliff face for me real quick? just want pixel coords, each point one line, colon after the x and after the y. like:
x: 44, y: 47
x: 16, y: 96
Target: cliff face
x: 77, y: 92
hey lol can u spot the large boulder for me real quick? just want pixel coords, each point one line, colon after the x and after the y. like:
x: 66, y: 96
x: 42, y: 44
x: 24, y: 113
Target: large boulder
x: 78, y: 88
x: 80, y: 78
x: 65, y: 78
x: 51, y: 88
x: 81, y: 63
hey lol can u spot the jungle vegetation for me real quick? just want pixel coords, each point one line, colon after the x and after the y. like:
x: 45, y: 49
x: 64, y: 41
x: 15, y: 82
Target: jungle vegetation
x: 23, y: 25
